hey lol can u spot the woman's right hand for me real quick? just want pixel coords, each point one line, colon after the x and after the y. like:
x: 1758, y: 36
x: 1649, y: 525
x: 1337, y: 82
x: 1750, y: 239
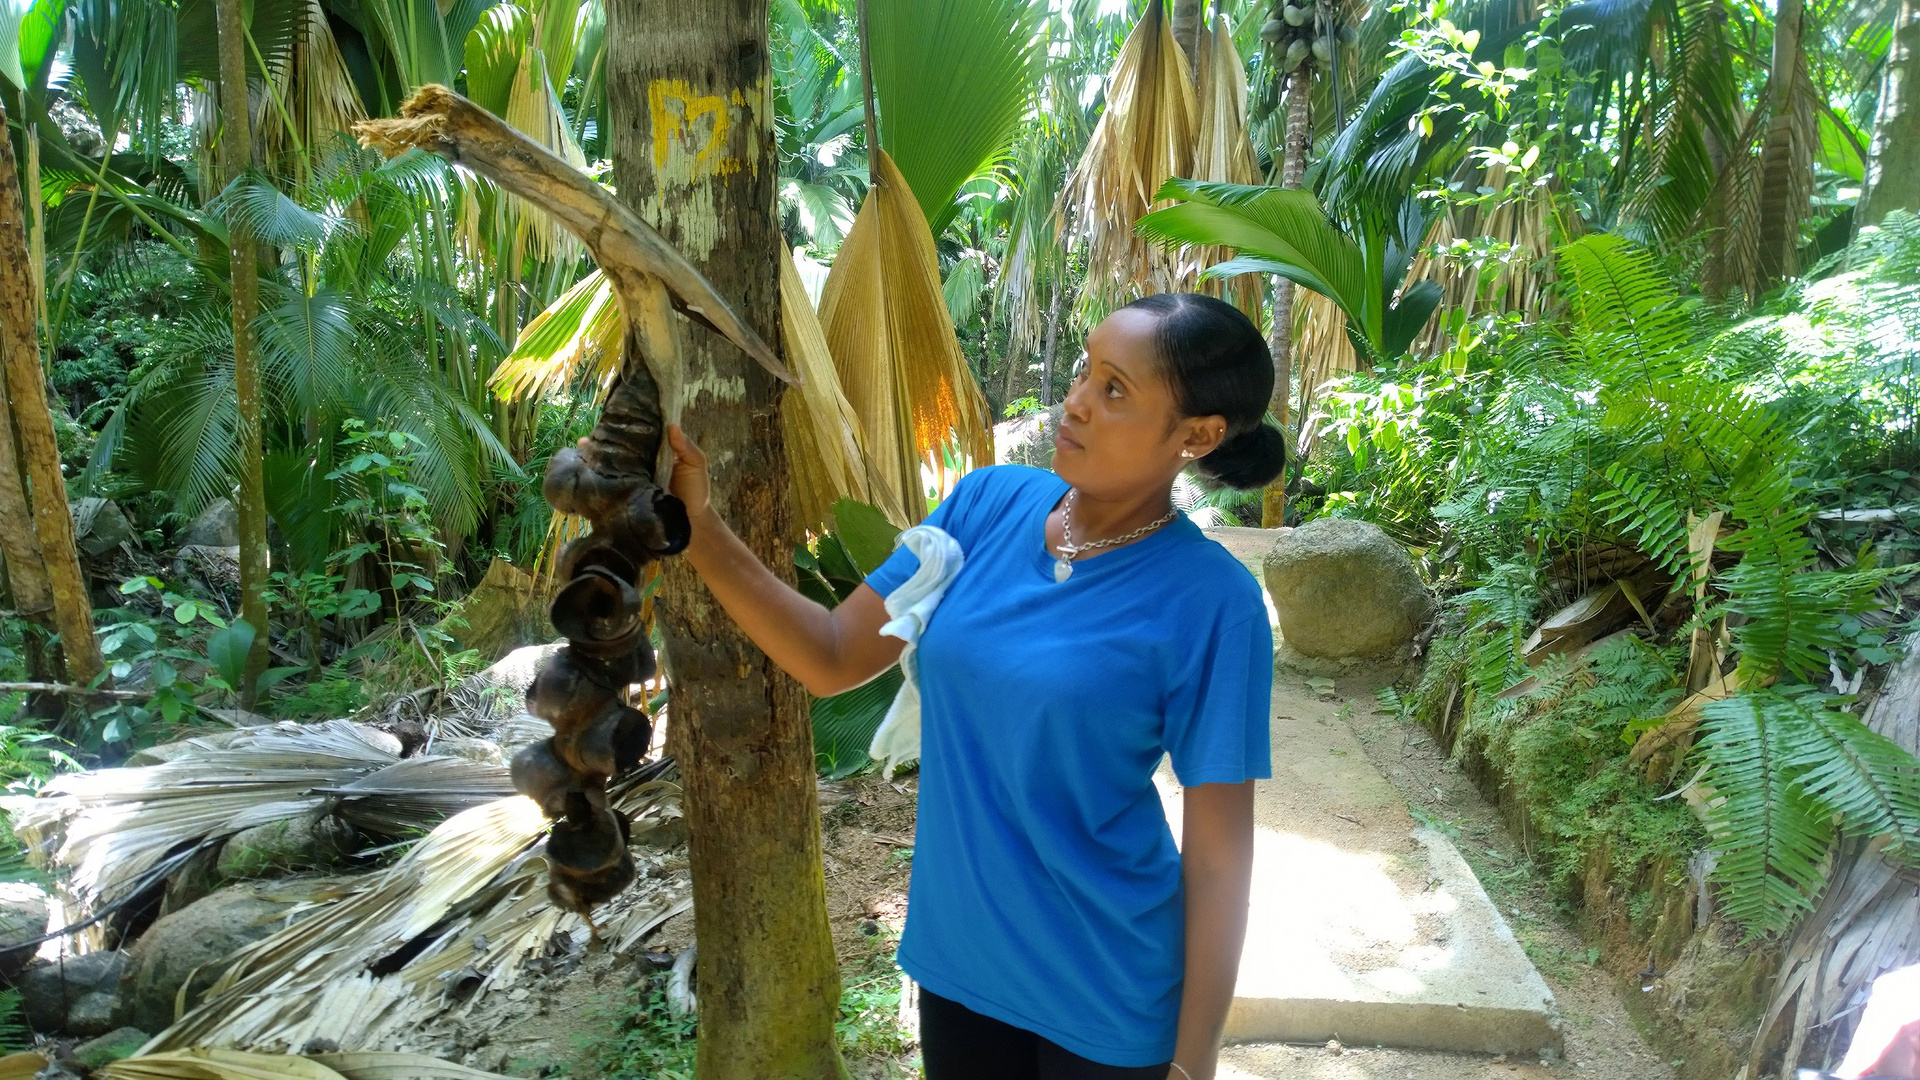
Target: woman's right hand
x: 689, y: 482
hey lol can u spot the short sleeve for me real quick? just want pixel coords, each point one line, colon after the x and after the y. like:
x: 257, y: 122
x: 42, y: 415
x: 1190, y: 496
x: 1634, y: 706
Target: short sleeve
x: 953, y: 516
x: 1216, y: 725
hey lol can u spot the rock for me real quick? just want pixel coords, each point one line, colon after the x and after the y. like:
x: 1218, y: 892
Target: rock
x: 491, y: 698
x: 23, y: 918
x: 1345, y: 588
x: 506, y: 610
x: 99, y: 525
x: 49, y: 992
x: 111, y: 1047
x: 280, y: 847
x: 196, y: 879
x: 93, y: 1014
x: 480, y: 750
x: 1027, y: 440
x: 192, y: 944
x: 218, y: 526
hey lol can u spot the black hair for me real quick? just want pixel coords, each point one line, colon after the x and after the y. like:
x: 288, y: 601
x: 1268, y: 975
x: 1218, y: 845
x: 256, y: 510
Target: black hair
x: 1217, y: 364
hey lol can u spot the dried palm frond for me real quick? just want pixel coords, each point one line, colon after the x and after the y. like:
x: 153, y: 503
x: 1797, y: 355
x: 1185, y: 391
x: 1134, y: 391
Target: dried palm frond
x: 411, y: 793
x: 218, y: 1064
x: 115, y: 831
x: 1224, y: 154
x: 1519, y: 232
x: 578, y: 333
x: 826, y: 443
x: 458, y: 917
x: 887, y: 325
x: 1146, y: 136
x: 1324, y: 351
x: 315, y: 88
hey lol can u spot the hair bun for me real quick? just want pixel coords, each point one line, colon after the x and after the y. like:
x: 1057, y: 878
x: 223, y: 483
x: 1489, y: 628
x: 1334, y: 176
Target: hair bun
x: 1249, y: 460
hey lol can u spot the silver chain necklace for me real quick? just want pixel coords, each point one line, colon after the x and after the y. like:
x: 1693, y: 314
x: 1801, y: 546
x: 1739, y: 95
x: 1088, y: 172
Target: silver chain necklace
x: 1063, y: 562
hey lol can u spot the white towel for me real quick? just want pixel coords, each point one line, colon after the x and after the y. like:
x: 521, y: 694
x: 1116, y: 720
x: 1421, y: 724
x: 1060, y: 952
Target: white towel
x: 911, y: 605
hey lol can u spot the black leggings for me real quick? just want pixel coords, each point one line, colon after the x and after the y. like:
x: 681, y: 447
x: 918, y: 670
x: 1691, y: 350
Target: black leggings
x: 957, y: 1043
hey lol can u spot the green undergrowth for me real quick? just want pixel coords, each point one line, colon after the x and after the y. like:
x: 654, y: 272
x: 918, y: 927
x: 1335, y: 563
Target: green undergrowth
x: 646, y: 1041
x: 1556, y: 754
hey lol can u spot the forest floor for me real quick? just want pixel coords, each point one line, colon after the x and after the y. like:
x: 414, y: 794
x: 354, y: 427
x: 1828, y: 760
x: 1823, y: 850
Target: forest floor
x: 868, y: 827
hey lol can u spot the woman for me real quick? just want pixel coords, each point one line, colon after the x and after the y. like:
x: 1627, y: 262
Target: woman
x: 1054, y: 929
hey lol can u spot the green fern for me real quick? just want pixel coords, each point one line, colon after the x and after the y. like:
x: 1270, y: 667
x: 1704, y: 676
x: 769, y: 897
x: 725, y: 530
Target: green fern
x: 1634, y: 505
x: 1770, y: 834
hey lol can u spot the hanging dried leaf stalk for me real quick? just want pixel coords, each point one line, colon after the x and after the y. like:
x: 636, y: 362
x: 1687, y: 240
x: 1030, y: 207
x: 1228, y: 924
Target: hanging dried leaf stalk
x: 1223, y: 154
x: 826, y: 443
x: 1515, y: 280
x: 1147, y: 134
x: 892, y: 341
x: 611, y: 479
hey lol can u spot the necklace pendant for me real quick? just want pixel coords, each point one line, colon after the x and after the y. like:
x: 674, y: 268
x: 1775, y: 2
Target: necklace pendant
x: 1062, y: 570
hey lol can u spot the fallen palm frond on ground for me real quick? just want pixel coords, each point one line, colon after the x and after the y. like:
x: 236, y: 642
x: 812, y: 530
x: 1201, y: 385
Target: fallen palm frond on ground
x: 892, y: 340
x: 114, y: 832
x: 463, y: 914
x: 217, y: 1064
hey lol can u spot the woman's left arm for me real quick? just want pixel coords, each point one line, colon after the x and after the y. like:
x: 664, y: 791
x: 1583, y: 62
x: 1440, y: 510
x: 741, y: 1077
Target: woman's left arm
x: 1216, y: 860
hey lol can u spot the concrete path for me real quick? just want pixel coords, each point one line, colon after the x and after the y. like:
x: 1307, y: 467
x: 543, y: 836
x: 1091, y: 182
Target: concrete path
x: 1366, y: 928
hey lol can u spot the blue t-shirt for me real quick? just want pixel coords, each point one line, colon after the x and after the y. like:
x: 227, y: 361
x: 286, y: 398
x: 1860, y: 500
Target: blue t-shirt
x: 1046, y: 885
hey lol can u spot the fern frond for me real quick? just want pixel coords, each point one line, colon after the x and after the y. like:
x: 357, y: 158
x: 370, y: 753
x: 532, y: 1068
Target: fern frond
x: 1772, y: 838
x: 1635, y: 505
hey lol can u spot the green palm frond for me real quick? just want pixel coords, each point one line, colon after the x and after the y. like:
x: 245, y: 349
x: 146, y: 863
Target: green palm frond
x: 951, y: 79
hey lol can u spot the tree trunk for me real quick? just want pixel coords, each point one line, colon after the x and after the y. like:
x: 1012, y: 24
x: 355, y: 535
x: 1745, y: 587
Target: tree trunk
x: 44, y: 492
x: 1187, y: 21
x: 1293, y: 165
x: 1786, y: 157
x: 1047, y: 351
x: 1893, y: 171
x: 693, y: 154
x: 236, y: 152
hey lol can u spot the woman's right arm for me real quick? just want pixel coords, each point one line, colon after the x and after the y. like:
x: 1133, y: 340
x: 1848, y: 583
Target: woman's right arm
x: 828, y: 651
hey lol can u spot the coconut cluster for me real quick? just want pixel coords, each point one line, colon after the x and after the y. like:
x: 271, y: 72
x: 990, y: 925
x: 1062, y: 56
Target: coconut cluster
x: 1299, y: 30
x: 581, y: 690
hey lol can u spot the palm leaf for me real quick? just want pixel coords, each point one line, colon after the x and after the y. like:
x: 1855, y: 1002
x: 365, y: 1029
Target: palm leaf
x: 843, y: 725
x: 951, y: 79
x: 1276, y: 231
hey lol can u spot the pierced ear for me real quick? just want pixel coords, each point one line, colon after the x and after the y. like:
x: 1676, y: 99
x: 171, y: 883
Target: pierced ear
x: 1204, y: 435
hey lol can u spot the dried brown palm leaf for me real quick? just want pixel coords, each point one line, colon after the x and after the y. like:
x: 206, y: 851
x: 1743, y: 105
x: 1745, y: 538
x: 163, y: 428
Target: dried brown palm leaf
x: 1146, y: 136
x: 220, y: 1064
x: 315, y: 89
x: 1324, y: 352
x: 1223, y: 153
x: 456, y: 918
x: 111, y: 832
x: 892, y: 340
x: 826, y: 443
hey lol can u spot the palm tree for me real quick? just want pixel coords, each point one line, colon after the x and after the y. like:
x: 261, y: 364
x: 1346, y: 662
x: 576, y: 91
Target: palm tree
x: 1893, y: 172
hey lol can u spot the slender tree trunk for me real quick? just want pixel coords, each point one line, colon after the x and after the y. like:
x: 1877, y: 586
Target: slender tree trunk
x: 694, y: 155
x: 1052, y: 345
x: 236, y: 151
x: 1187, y: 21
x: 1893, y: 171
x: 1786, y: 157
x: 1293, y: 165
x: 39, y: 451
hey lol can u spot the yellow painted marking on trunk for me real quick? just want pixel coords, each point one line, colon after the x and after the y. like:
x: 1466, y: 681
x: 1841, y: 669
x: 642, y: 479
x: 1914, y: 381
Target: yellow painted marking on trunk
x: 670, y: 123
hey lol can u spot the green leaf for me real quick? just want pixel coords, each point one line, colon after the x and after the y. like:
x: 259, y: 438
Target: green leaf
x: 951, y: 80
x: 1276, y: 231
x: 227, y: 651
x: 843, y: 725
x: 867, y: 534
x: 275, y: 676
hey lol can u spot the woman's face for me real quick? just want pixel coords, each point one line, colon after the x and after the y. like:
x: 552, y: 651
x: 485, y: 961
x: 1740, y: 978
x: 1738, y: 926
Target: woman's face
x: 1121, y: 431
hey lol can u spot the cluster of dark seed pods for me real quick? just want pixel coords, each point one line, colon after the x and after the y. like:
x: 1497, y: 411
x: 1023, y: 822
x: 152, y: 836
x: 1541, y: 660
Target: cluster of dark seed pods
x: 608, y: 480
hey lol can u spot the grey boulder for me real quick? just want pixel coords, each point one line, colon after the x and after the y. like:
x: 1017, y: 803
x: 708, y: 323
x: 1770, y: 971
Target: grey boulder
x: 1344, y: 588
x: 218, y: 526
x: 285, y: 846
x: 193, y: 944
x: 51, y: 993
x: 23, y: 918
x: 99, y: 525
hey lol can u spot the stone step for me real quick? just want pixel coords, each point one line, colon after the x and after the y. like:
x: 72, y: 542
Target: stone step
x: 1365, y: 927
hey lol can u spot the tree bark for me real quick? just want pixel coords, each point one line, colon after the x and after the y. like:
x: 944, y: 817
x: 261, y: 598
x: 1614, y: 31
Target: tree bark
x: 44, y: 491
x: 1786, y: 157
x: 236, y: 153
x: 1187, y: 22
x: 693, y: 153
x: 1051, y: 346
x: 1293, y: 166
x: 1893, y: 168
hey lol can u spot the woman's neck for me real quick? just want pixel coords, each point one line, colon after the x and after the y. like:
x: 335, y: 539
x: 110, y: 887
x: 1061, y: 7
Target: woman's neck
x: 1095, y: 518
